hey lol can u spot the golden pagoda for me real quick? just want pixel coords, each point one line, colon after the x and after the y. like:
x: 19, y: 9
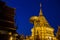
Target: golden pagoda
x: 41, y: 30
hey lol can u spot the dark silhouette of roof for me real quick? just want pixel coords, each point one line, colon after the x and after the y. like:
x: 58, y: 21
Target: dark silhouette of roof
x: 6, y: 15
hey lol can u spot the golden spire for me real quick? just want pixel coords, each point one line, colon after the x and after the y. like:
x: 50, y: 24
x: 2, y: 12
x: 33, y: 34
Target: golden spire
x: 40, y: 10
x: 42, y: 19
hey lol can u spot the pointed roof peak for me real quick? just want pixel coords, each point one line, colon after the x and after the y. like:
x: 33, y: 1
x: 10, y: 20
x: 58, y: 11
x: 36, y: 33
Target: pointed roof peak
x: 40, y: 9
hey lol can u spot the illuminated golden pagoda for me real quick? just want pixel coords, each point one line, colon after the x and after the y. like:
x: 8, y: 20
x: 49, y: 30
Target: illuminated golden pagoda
x: 41, y: 30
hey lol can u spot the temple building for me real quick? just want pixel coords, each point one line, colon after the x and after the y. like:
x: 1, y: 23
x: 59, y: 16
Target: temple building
x: 7, y: 28
x: 41, y: 30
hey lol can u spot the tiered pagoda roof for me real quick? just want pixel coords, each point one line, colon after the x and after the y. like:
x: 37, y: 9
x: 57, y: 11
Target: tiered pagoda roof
x: 6, y: 16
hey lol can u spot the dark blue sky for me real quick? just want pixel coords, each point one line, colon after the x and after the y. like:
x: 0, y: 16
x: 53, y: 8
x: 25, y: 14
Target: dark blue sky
x: 27, y: 8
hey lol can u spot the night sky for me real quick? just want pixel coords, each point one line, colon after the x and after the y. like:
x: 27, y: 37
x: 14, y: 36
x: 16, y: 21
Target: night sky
x: 27, y: 8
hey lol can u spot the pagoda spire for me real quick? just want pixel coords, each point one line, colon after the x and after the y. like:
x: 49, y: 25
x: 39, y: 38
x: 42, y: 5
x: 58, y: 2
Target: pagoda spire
x: 42, y: 19
x: 40, y: 10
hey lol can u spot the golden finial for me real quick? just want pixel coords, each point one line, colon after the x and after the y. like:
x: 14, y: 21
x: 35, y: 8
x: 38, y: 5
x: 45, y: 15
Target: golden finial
x: 40, y: 10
